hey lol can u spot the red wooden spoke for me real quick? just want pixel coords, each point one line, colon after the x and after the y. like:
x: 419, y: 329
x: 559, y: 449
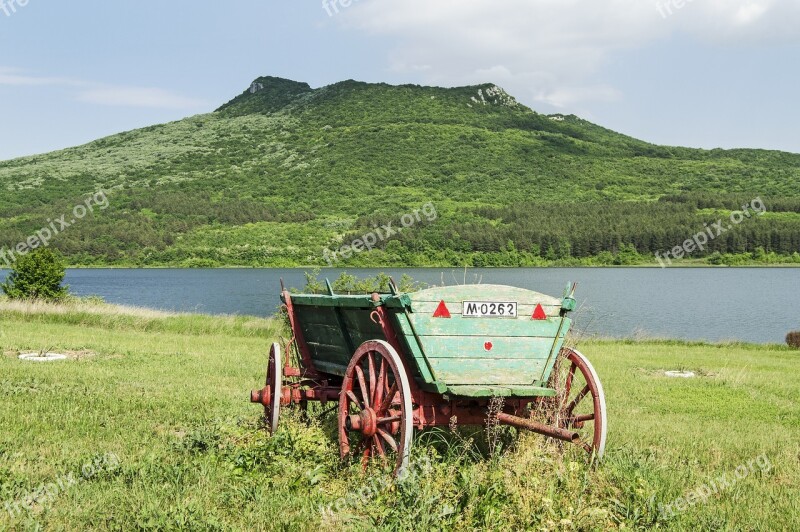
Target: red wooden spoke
x: 379, y: 447
x: 363, y: 385
x: 383, y: 381
x: 354, y: 399
x: 371, y: 367
x: 383, y: 434
x: 365, y: 456
x: 390, y: 419
x: 388, y: 399
x: 570, y: 377
x: 572, y: 404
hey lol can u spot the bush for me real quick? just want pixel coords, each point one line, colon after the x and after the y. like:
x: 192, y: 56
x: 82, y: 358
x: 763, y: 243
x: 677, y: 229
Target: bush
x: 793, y: 339
x: 37, y: 275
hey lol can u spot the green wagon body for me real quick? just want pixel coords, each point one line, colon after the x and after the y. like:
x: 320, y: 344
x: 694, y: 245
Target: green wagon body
x: 455, y: 356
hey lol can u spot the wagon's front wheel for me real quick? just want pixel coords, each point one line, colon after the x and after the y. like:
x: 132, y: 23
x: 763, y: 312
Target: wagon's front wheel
x: 580, y: 401
x: 375, y: 417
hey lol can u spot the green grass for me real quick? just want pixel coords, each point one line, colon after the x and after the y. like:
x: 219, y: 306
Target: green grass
x: 168, y: 395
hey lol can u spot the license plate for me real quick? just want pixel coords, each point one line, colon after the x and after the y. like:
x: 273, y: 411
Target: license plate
x: 489, y: 309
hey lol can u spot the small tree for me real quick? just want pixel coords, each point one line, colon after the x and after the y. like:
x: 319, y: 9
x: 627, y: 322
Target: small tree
x: 37, y: 275
x: 793, y: 339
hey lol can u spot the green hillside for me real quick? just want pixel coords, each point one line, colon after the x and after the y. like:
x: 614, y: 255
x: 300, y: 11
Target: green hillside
x: 283, y: 171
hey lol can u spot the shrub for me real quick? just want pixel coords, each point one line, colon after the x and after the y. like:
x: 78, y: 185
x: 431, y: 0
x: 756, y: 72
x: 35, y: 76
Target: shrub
x: 37, y: 275
x: 793, y: 339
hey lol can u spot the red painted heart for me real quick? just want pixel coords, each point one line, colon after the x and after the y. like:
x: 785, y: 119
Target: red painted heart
x: 488, y: 346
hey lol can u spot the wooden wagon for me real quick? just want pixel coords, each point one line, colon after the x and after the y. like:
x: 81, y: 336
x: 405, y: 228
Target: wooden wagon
x: 403, y: 361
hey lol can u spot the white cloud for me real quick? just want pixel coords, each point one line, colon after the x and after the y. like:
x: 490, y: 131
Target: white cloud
x: 101, y: 94
x: 552, y: 51
x: 13, y: 76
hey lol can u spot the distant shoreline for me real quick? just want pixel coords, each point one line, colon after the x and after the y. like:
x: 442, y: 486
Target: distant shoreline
x: 352, y: 267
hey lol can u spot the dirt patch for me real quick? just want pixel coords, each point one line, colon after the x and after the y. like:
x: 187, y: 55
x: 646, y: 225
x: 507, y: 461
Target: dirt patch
x: 80, y: 355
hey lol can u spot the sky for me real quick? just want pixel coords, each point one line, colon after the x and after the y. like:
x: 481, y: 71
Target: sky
x: 700, y: 73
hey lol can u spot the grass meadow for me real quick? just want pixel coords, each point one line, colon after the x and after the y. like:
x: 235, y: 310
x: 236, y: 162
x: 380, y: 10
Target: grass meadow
x: 148, y: 426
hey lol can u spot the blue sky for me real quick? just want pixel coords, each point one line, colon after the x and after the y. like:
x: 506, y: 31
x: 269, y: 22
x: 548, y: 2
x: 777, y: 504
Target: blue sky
x: 704, y: 73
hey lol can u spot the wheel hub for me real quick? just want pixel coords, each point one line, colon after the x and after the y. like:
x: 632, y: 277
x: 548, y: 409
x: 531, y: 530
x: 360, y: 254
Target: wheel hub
x: 263, y: 396
x: 366, y: 422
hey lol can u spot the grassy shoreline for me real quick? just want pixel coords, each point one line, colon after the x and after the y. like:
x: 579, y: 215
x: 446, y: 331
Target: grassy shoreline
x: 166, y: 393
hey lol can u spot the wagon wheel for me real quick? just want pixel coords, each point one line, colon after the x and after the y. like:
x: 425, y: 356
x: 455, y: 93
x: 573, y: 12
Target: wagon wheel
x: 580, y: 404
x: 270, y: 396
x: 375, y: 416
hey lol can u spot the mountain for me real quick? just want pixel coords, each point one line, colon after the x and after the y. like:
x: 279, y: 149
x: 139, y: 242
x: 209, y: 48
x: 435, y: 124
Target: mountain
x: 283, y: 171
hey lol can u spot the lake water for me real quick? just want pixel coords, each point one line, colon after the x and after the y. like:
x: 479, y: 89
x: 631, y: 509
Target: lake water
x: 749, y: 304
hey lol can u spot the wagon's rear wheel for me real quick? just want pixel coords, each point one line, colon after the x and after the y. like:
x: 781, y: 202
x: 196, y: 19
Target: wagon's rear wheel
x: 375, y: 417
x: 580, y: 404
x: 270, y: 395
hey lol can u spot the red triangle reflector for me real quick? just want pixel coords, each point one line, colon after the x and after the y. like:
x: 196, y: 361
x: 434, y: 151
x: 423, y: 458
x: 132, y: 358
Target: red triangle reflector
x: 441, y: 311
x: 539, y: 313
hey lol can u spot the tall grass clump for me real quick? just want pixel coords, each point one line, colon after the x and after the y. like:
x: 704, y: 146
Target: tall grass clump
x: 92, y: 312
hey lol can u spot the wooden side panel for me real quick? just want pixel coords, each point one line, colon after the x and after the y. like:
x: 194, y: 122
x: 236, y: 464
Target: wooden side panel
x: 485, y: 353
x: 427, y: 325
x: 457, y: 360
x: 334, y: 333
x: 360, y: 327
x: 488, y: 348
x: 413, y: 350
x: 497, y: 371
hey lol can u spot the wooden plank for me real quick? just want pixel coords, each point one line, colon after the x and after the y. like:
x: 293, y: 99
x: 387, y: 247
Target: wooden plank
x: 322, y: 353
x: 499, y: 391
x: 324, y: 334
x: 359, y: 324
x: 407, y: 338
x: 347, y: 334
x: 480, y: 371
x: 505, y: 347
x: 323, y: 300
x: 427, y: 325
x: 331, y: 368
x: 319, y: 316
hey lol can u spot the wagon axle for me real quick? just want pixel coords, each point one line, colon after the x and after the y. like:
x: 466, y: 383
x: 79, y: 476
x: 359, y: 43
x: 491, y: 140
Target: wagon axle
x: 288, y: 396
x: 545, y: 430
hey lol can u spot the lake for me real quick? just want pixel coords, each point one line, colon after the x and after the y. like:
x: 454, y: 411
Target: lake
x: 749, y: 304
